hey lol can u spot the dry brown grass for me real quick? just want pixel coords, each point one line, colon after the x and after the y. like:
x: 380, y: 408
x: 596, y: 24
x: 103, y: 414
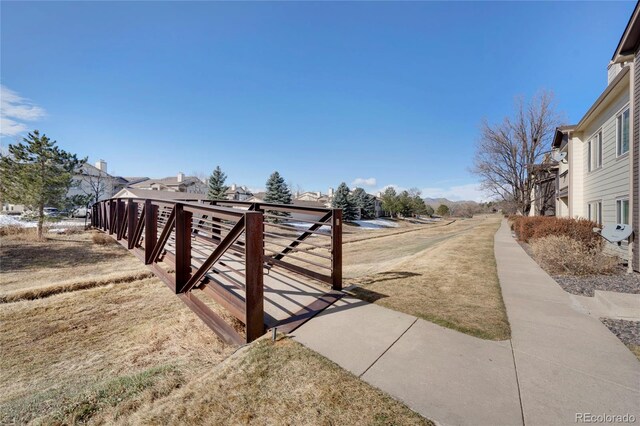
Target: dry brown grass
x: 131, y: 352
x: 276, y: 383
x: 57, y: 347
x: 28, y: 265
x: 453, y: 283
x: 101, y: 238
x: 73, y: 285
x: 635, y: 349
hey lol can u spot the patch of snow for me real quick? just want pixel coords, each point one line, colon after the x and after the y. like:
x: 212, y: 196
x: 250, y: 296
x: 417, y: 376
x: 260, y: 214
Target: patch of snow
x: 304, y: 226
x: 376, y: 223
x: 59, y: 226
x: 6, y: 220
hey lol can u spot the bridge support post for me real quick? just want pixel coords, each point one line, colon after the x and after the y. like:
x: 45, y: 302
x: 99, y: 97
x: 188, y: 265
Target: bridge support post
x: 254, y: 270
x: 120, y: 206
x: 183, y: 247
x: 150, y: 230
x: 336, y: 249
x: 112, y: 216
x: 132, y: 219
x: 105, y: 217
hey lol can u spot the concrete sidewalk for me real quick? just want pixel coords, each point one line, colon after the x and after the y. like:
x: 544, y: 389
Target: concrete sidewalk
x: 567, y: 362
x: 560, y: 362
x: 444, y: 375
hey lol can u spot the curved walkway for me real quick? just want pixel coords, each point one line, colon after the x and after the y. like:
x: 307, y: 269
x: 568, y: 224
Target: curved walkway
x: 567, y: 362
x: 559, y: 362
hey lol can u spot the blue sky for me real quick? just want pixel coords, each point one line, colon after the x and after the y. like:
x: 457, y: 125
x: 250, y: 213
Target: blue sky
x: 388, y: 93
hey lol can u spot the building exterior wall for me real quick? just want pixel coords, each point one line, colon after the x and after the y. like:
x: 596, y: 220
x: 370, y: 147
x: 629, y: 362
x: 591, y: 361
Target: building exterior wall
x: 635, y: 159
x: 91, y: 177
x: 576, y: 173
x: 609, y: 182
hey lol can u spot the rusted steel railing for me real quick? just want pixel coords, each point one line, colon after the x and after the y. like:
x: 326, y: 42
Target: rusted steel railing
x: 183, y: 243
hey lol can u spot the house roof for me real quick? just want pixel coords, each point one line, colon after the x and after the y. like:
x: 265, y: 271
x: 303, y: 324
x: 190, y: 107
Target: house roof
x: 305, y: 203
x: 614, y: 88
x: 630, y: 37
x: 258, y: 196
x: 158, y: 195
x: 238, y: 189
x: 168, y: 181
x: 135, y: 179
x: 558, y: 137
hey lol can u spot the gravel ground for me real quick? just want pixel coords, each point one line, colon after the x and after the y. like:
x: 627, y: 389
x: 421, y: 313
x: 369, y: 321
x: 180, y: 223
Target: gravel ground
x: 627, y: 331
x: 620, y: 281
x: 585, y: 286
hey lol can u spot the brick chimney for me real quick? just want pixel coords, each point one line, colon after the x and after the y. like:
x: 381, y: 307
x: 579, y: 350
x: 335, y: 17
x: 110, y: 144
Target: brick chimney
x: 180, y: 177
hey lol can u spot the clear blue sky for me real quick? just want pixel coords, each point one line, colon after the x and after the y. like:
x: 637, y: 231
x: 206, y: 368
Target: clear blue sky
x: 322, y: 92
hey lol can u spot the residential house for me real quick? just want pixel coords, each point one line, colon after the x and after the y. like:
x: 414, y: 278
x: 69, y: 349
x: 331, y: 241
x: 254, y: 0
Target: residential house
x: 96, y: 182
x: 238, y: 193
x: 599, y: 179
x: 315, y: 196
x: 158, y: 194
x: 88, y: 180
x: 178, y: 183
x: 543, y: 195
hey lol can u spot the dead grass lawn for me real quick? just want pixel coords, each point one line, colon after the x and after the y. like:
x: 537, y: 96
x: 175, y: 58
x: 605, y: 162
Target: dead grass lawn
x: 131, y: 352
x: 63, y: 261
x: 453, y: 283
x: 277, y: 383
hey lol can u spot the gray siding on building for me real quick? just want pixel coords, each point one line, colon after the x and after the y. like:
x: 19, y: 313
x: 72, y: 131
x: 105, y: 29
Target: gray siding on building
x: 611, y: 181
x: 635, y: 209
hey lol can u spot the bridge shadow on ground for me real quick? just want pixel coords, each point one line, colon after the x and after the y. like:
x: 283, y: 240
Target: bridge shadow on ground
x: 360, y: 291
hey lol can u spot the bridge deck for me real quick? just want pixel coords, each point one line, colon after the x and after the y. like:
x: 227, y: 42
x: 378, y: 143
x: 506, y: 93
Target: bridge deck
x: 264, y: 272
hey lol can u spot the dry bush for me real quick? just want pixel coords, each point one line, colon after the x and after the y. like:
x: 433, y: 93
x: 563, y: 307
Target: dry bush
x: 19, y: 233
x: 560, y: 254
x: 102, y: 239
x: 536, y: 227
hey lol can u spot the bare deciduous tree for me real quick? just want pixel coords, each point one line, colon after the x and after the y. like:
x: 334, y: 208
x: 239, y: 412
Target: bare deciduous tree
x: 506, y: 151
x: 96, y: 185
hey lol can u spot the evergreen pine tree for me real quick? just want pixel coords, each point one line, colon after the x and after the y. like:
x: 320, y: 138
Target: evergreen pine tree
x: 442, y: 210
x: 358, y: 199
x: 363, y: 202
x: 342, y: 200
x: 277, y: 193
x: 370, y: 207
x: 37, y: 173
x: 429, y: 210
x: 217, y: 188
x: 419, y: 206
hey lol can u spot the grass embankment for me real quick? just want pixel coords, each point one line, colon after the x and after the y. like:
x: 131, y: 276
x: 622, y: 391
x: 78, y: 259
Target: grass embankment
x: 133, y: 353
x: 453, y: 282
x: 31, y: 269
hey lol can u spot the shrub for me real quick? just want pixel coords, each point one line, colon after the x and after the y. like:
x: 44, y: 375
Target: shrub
x: 535, y: 227
x: 102, y: 239
x: 561, y: 254
x: 19, y: 233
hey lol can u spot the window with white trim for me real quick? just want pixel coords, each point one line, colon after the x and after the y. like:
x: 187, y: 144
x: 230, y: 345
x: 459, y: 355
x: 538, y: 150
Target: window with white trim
x: 622, y: 211
x: 622, y: 132
x: 595, y: 151
x: 594, y: 212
